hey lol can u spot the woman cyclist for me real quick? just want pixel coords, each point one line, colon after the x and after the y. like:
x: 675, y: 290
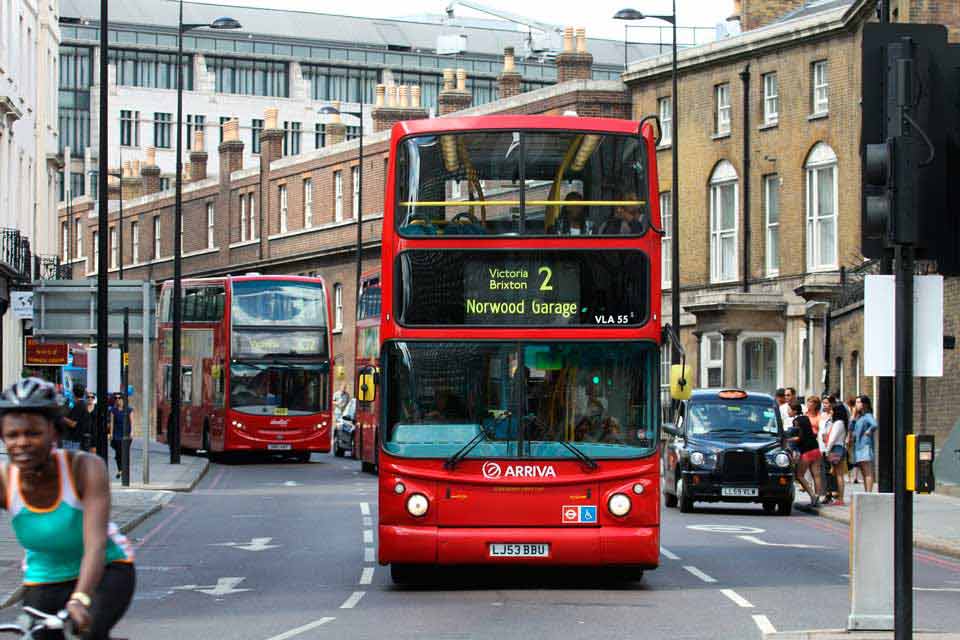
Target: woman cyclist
x: 59, y: 503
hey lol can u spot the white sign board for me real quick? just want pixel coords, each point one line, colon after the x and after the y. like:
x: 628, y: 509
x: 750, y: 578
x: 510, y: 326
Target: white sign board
x: 879, y: 326
x: 21, y: 304
x: 113, y: 372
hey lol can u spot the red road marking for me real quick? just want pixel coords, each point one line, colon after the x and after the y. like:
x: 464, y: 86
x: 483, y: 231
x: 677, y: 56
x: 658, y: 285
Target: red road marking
x: 175, y: 511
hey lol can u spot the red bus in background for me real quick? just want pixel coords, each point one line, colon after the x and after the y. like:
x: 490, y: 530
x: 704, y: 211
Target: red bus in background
x: 255, y: 372
x: 367, y: 359
x: 518, y: 380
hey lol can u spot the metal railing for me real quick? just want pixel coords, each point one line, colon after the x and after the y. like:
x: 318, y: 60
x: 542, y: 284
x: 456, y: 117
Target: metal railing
x: 51, y: 268
x: 15, y: 252
x: 852, y: 282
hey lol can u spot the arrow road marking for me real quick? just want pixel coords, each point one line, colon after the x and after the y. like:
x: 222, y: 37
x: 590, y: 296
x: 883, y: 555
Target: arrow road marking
x: 224, y: 586
x: 304, y: 628
x: 764, y: 543
x: 255, y: 544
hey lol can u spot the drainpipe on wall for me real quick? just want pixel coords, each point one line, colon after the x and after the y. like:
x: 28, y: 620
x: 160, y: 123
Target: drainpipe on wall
x: 826, y: 348
x: 745, y: 78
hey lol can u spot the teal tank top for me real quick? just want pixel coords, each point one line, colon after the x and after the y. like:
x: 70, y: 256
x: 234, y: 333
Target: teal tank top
x: 53, y: 537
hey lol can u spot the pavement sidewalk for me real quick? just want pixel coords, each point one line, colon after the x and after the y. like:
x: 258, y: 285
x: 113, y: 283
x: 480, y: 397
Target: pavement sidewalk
x: 130, y: 506
x: 842, y: 634
x: 936, y: 518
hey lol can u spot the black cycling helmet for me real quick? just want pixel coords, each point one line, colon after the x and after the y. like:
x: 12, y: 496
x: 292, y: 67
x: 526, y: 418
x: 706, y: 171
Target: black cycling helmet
x: 32, y: 395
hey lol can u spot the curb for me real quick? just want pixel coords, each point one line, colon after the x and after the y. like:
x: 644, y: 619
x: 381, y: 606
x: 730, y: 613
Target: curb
x: 920, y: 541
x: 126, y: 527
x: 178, y: 488
x: 838, y: 634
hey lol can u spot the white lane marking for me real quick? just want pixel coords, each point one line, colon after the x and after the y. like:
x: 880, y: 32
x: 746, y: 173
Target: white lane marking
x: 304, y: 628
x: 366, y: 577
x: 353, y: 600
x: 724, y: 528
x: 368, y: 554
x: 764, y: 624
x: 364, y: 508
x: 738, y: 600
x: 945, y: 589
x: 367, y: 521
x: 764, y: 543
x: 670, y: 555
x: 699, y: 574
x: 368, y: 536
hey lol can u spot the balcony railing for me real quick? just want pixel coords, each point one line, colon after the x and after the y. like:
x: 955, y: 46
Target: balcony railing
x: 15, y: 253
x: 51, y: 268
x: 852, y: 282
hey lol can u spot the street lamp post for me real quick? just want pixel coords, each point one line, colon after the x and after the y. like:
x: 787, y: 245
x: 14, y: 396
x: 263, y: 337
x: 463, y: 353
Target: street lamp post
x: 633, y: 14
x: 173, y: 431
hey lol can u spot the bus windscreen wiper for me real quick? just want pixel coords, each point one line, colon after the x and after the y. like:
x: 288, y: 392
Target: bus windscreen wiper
x: 584, y: 458
x: 461, y: 453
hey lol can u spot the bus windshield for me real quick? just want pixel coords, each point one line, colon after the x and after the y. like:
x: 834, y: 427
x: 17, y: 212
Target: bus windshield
x: 524, y: 397
x: 278, y: 302
x: 276, y: 388
x: 521, y: 183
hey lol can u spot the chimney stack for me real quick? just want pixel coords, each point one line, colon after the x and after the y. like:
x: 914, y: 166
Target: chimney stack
x: 230, y: 150
x: 131, y: 185
x: 406, y: 106
x: 509, y: 81
x: 759, y: 13
x: 198, y: 157
x: 575, y: 62
x: 114, y: 185
x: 454, y: 97
x: 150, y: 172
x: 335, y: 130
x: 271, y: 138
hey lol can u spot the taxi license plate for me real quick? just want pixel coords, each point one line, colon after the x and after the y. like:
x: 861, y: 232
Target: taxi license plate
x: 740, y: 492
x: 519, y: 550
x: 279, y: 447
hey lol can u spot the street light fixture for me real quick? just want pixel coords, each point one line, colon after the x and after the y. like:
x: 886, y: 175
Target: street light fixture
x: 633, y: 14
x: 173, y: 431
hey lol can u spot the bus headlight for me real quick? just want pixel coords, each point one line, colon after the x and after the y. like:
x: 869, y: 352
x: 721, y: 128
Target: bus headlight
x: 782, y: 460
x: 417, y: 505
x: 619, y: 504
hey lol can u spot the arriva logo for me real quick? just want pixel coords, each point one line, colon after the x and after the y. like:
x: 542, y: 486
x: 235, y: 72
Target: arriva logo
x: 492, y: 471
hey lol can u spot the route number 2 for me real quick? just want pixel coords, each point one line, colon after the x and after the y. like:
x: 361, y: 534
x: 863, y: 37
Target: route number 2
x: 547, y: 273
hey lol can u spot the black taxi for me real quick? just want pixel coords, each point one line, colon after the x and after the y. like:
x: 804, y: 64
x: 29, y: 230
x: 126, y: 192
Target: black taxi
x: 727, y: 446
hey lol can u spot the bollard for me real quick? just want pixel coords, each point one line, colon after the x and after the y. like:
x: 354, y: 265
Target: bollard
x: 871, y: 562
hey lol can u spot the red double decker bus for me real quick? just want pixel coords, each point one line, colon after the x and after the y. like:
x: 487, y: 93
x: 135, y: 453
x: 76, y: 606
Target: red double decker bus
x: 367, y: 351
x: 518, y: 379
x: 255, y: 372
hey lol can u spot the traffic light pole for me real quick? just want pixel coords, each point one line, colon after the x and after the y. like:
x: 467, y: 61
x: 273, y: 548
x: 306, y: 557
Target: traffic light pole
x: 903, y: 499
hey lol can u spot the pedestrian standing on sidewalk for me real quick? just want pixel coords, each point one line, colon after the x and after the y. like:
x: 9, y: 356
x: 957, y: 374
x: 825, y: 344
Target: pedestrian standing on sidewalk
x: 119, y: 428
x: 854, y: 471
x: 77, y: 422
x: 780, y: 395
x: 863, y: 430
x: 806, y: 442
x: 59, y: 507
x: 836, y: 448
x: 91, y: 408
x: 823, y: 436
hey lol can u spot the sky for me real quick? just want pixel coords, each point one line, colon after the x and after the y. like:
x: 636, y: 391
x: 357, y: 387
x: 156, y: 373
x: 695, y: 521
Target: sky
x: 595, y: 15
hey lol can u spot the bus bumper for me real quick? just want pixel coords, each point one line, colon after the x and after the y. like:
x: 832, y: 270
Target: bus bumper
x: 318, y: 441
x: 594, y: 546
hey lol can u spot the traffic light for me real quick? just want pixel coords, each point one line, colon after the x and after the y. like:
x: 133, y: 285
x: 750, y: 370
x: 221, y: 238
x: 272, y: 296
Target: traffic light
x: 909, y: 123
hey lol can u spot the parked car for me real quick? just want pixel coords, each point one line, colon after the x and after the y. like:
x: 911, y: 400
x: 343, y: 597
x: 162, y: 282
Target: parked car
x: 344, y: 432
x: 728, y: 446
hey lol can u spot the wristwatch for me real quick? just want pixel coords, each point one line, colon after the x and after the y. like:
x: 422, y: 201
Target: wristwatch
x: 81, y: 597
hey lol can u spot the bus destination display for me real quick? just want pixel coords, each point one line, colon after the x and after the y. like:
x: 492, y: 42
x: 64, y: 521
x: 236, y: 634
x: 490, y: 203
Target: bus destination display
x: 511, y: 291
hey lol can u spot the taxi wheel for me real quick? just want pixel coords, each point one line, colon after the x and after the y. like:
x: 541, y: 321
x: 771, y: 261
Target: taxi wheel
x: 785, y: 507
x: 685, y: 501
x: 769, y: 508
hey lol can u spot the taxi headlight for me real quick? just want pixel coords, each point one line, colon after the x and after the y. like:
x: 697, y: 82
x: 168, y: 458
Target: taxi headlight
x: 696, y: 458
x: 619, y: 504
x: 417, y: 505
x: 782, y: 460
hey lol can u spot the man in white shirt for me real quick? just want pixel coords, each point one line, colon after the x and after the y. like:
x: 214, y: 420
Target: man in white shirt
x: 789, y: 396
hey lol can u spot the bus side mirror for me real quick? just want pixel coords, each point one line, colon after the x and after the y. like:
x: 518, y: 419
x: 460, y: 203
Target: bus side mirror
x: 681, y: 387
x: 366, y: 388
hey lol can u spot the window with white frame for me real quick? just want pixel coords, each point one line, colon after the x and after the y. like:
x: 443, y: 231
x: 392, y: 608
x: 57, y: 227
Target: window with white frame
x: 114, y: 248
x: 243, y: 217
x: 711, y: 358
x: 253, y: 217
x: 96, y: 253
x: 723, y: 223
x: 338, y: 307
x: 211, y: 225
x: 771, y: 213
x: 135, y: 242
x: 665, y: 108
x: 337, y: 196
x: 156, y: 237
x: 820, y: 94
x: 666, y: 255
x: 760, y: 362
x: 308, y: 203
x: 355, y: 199
x: 723, y: 108
x: 129, y: 128
x: 821, y: 240
x: 78, y: 233
x: 771, y: 98
x: 283, y: 208
x: 65, y: 241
